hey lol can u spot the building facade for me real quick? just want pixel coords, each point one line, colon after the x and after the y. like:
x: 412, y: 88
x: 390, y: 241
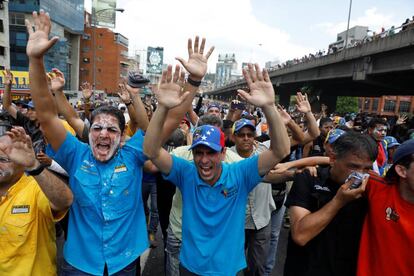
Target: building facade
x: 67, y: 24
x: 387, y: 105
x: 4, y: 35
x: 106, y: 58
x: 226, y: 70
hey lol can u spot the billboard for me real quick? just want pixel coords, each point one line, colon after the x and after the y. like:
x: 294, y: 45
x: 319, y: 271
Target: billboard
x: 104, y: 13
x: 155, y: 57
x: 20, y: 82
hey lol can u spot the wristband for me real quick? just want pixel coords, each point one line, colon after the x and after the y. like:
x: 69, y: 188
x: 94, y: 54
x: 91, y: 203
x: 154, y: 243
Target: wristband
x: 193, y: 82
x: 36, y: 171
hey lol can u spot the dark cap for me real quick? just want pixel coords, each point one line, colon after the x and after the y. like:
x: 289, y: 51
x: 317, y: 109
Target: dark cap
x: 404, y: 150
x: 136, y: 80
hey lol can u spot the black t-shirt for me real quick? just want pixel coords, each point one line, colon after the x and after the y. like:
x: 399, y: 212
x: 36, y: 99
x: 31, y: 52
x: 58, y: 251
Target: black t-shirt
x: 334, y: 251
x: 32, y: 130
x: 317, y: 147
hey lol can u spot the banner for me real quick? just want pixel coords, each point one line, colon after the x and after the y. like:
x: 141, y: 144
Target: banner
x: 103, y: 13
x: 155, y: 57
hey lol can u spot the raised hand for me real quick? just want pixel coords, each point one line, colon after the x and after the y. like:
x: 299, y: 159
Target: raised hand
x: 261, y: 89
x: 8, y: 77
x: 39, y: 43
x: 44, y: 159
x: 86, y: 90
x: 123, y: 93
x: 401, y: 119
x: 284, y: 114
x: 57, y: 80
x: 302, y: 103
x: 20, y: 151
x: 170, y: 93
x: 197, y: 61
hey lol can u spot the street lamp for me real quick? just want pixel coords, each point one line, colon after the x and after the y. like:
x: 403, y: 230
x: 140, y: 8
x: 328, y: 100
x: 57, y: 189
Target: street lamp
x: 94, y: 16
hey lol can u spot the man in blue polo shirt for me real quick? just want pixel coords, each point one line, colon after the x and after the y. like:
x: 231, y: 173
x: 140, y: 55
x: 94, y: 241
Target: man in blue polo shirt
x: 214, y: 193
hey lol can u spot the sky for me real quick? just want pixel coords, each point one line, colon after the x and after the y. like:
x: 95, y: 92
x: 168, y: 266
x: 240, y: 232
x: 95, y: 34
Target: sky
x: 255, y: 30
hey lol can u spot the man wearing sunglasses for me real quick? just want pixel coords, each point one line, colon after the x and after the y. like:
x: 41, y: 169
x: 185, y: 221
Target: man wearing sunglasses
x: 260, y: 203
x: 29, y: 207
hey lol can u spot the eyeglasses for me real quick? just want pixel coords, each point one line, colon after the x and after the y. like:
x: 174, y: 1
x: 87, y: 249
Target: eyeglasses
x: 110, y: 129
x: 242, y: 135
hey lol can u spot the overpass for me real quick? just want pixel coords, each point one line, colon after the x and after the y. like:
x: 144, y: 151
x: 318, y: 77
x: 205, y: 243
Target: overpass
x: 384, y: 66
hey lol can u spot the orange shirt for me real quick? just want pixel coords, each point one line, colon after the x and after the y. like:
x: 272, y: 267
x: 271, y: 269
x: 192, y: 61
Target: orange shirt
x: 387, y: 241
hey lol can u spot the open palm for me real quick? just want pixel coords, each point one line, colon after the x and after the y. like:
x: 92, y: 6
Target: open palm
x: 39, y: 43
x: 197, y: 61
x: 261, y: 89
x: 170, y: 93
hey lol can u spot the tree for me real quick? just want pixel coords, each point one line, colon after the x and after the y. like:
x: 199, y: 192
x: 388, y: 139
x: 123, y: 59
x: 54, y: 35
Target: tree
x: 347, y: 105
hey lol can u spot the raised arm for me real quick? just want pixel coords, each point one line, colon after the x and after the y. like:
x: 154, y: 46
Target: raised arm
x: 37, y: 45
x: 21, y: 152
x: 139, y: 114
x: 169, y: 95
x: 57, y: 82
x: 262, y: 95
x: 303, y: 105
x: 196, y: 65
x: 7, y: 98
x: 87, y: 94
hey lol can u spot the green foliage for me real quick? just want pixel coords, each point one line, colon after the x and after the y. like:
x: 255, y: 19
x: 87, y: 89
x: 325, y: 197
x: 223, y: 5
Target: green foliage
x: 347, y: 104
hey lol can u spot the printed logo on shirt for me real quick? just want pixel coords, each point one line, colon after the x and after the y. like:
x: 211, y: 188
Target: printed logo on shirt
x: 120, y: 168
x: 88, y: 167
x: 320, y: 188
x: 20, y: 209
x: 391, y: 214
x: 229, y: 192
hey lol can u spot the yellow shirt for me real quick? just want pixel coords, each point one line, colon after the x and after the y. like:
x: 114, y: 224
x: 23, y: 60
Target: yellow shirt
x: 27, y: 231
x: 68, y: 127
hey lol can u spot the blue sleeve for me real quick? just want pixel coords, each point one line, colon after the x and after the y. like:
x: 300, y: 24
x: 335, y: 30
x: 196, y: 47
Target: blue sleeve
x: 248, y: 169
x: 178, y: 169
x: 66, y: 154
x: 134, y: 146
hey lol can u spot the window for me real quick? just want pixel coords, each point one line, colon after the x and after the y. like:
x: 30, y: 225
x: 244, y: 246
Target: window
x: 404, y: 107
x: 16, y: 19
x: 99, y: 58
x: 85, y: 49
x: 2, y: 51
x: 367, y: 103
x: 86, y: 37
x: 86, y: 60
x: 389, y: 106
x: 375, y: 104
x: 1, y: 26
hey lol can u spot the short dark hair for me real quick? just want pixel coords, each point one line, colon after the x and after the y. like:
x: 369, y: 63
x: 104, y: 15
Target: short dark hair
x: 355, y: 143
x: 324, y: 121
x: 110, y: 110
x: 210, y: 119
x: 376, y: 121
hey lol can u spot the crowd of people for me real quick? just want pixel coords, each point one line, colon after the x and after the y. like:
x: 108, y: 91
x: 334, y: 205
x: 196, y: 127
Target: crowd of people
x: 219, y: 182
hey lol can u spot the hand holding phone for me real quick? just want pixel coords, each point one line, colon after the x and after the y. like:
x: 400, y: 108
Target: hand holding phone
x: 357, y: 179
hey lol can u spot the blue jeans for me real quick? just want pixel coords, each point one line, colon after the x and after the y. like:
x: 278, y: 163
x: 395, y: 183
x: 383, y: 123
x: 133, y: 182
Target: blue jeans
x: 150, y: 189
x: 172, y: 250
x: 69, y: 270
x: 276, y: 223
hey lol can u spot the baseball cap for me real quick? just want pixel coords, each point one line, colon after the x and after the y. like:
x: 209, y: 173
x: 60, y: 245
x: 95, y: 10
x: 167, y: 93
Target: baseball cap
x: 333, y: 135
x: 136, y: 80
x: 391, y: 141
x: 404, y: 150
x: 243, y: 123
x: 29, y: 105
x: 209, y: 136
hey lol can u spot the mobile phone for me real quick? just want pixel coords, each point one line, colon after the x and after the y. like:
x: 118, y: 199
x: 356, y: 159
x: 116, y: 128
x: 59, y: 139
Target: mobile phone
x: 238, y: 105
x: 357, y: 179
